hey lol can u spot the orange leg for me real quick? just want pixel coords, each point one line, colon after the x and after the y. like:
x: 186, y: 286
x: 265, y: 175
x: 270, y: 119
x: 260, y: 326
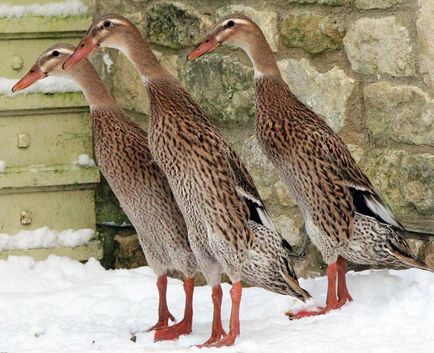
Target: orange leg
x: 217, y: 327
x: 183, y: 327
x: 163, y: 311
x: 332, y: 302
x: 234, y: 325
x: 343, y: 293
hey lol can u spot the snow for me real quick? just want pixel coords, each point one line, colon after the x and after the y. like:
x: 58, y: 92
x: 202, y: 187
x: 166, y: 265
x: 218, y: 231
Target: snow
x: 60, y: 305
x: 63, y: 8
x: 2, y: 166
x: 50, y: 84
x: 108, y: 62
x: 45, y: 238
x: 85, y: 161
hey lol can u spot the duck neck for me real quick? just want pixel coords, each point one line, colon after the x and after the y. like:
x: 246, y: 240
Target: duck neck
x: 261, y: 56
x: 94, y: 90
x: 142, y: 57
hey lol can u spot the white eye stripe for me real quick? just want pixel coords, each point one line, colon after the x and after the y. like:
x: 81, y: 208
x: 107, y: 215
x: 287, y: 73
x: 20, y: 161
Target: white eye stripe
x: 113, y: 21
x: 238, y: 21
x: 60, y: 50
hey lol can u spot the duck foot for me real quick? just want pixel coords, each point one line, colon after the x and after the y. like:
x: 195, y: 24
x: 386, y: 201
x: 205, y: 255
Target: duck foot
x: 335, y: 271
x: 321, y: 311
x: 215, y: 337
x: 230, y: 338
x: 169, y: 333
x: 162, y: 323
x: 164, y: 314
x: 217, y: 328
x: 343, y: 293
x: 225, y: 341
x: 172, y: 332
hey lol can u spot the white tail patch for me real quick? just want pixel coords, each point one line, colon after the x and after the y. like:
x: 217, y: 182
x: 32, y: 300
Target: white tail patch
x: 265, y: 218
x: 381, y: 210
x: 266, y: 221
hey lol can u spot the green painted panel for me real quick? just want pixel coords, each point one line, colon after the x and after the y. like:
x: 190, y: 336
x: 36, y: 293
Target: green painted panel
x: 93, y: 249
x: 26, y: 51
x: 31, y: 2
x: 42, y: 100
x: 38, y: 176
x: 59, y: 210
x: 58, y: 26
x: 51, y: 138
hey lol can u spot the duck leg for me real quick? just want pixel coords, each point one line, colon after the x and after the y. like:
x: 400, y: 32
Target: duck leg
x: 234, y: 325
x: 217, y: 327
x: 163, y: 311
x: 343, y: 293
x: 184, y: 326
x: 332, y: 302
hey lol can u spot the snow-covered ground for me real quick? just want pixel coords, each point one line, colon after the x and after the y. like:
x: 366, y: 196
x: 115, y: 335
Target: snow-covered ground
x: 60, y: 305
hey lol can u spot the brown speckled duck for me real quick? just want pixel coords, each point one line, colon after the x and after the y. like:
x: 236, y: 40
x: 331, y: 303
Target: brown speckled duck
x: 344, y: 215
x: 123, y: 156
x: 216, y: 194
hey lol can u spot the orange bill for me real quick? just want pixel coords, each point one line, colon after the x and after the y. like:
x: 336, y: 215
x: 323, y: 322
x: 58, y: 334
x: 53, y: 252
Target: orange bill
x: 85, y: 47
x: 209, y: 44
x: 34, y: 74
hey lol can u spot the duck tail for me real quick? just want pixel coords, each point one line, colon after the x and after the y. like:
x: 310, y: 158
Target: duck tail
x: 291, y: 279
x: 410, y: 261
x: 399, y: 249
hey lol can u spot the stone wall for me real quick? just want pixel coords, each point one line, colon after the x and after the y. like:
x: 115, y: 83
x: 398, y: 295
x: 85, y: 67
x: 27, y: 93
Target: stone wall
x: 366, y: 65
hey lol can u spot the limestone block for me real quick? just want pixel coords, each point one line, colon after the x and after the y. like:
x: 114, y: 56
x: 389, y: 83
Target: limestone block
x: 375, y: 4
x: 310, y: 31
x: 425, y: 36
x: 325, y: 93
x: 399, y: 112
x: 221, y: 85
x: 380, y: 46
x: 176, y: 25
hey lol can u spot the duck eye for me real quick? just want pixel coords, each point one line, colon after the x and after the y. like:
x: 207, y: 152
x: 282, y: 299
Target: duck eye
x: 107, y: 23
x: 230, y: 24
x: 55, y: 53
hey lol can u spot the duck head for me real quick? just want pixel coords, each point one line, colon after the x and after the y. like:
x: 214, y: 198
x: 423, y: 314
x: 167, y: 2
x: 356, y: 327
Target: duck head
x: 49, y: 63
x: 111, y: 31
x: 237, y: 31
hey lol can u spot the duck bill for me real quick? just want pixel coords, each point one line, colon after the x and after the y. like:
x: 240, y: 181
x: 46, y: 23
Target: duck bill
x: 35, y: 74
x: 208, y: 45
x: 85, y: 47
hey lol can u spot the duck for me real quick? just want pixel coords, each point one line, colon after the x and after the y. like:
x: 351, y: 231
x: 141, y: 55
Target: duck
x: 123, y: 157
x: 344, y: 216
x: 225, y: 215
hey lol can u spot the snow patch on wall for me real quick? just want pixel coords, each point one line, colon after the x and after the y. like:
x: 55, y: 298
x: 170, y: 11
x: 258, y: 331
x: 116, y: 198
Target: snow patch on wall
x: 63, y: 8
x: 46, y: 85
x: 45, y: 238
x: 2, y: 166
x: 108, y: 62
x: 85, y: 161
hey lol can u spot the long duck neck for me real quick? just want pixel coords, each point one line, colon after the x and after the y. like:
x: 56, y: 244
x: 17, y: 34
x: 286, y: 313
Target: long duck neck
x: 262, y: 56
x: 94, y: 90
x: 142, y: 57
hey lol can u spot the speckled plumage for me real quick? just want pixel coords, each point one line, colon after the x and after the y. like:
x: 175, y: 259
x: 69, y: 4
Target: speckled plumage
x: 123, y: 156
x: 328, y: 185
x: 214, y: 189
